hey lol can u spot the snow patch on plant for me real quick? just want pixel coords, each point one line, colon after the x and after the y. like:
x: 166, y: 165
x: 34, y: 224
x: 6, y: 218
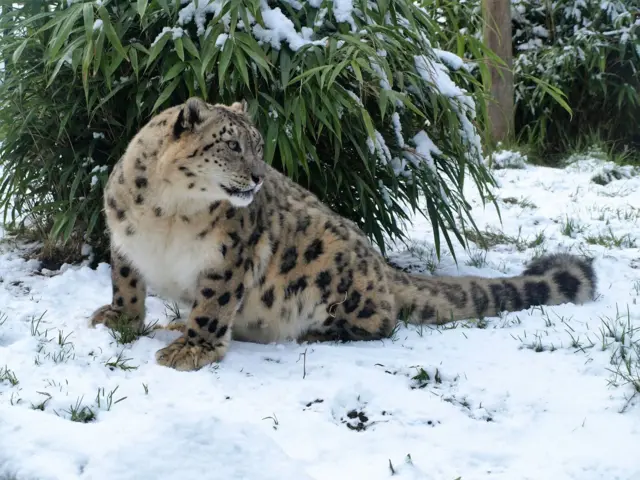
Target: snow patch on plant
x: 506, y: 159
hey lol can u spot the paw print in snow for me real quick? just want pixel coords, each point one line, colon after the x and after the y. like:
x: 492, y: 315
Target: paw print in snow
x: 355, y: 408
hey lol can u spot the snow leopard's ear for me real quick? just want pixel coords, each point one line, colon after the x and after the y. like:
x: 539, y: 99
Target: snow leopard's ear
x: 190, y: 116
x: 241, y: 107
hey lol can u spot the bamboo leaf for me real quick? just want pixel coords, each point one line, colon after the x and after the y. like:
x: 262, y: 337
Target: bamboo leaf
x: 133, y: 58
x: 240, y: 62
x: 196, y: 66
x: 166, y: 93
x: 56, y: 70
x: 87, y: 12
x: 86, y: 66
x: 157, y: 48
x: 179, y: 48
x: 174, y: 71
x: 62, y: 35
x: 97, y: 57
x: 110, y: 31
x: 270, y: 142
x: 142, y: 7
x: 190, y: 47
x: 225, y: 59
x: 18, y: 52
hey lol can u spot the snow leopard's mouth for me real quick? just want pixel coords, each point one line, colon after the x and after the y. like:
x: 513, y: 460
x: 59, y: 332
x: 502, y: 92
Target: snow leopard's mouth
x: 242, y: 193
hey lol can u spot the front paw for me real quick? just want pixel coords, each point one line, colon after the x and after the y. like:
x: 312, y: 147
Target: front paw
x: 113, y: 317
x: 186, y: 355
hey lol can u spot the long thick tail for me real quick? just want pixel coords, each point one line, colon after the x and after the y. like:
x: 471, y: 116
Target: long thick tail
x: 549, y: 280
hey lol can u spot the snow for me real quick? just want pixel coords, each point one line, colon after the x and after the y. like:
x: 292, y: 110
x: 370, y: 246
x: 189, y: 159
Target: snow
x: 397, y: 128
x: 461, y: 102
x: 176, y: 32
x: 507, y: 159
x: 532, y: 395
x: 343, y: 12
x: 197, y: 12
x: 278, y: 27
x: 437, y: 74
x: 384, y: 81
x: 451, y: 60
x: 379, y: 146
x: 425, y: 148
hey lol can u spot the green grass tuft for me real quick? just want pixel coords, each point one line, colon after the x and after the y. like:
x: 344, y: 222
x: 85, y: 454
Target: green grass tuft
x: 125, y: 330
x: 79, y: 413
x: 611, y: 240
x: 7, y: 375
x: 121, y: 362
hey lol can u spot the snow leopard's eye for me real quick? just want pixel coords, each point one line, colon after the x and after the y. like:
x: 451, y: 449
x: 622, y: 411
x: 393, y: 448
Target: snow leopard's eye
x: 233, y: 145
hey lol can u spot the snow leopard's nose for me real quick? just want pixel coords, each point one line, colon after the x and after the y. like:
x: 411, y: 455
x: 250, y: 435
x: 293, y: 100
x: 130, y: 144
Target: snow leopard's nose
x: 257, y: 181
x: 256, y: 178
x: 258, y: 171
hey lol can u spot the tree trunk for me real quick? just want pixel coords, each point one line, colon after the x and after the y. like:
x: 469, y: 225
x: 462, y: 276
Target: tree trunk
x: 497, y: 36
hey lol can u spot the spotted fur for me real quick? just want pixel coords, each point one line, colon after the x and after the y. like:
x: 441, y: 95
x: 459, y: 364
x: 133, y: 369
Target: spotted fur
x: 194, y: 212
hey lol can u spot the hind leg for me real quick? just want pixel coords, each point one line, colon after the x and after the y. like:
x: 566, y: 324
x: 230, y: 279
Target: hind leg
x: 359, y: 305
x: 359, y: 317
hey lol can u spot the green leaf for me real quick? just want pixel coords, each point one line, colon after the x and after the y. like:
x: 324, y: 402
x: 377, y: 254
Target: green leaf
x: 157, y: 48
x: 74, y: 186
x: 174, y: 71
x: 87, y: 11
x: 336, y: 71
x: 308, y: 73
x: 110, y: 31
x: 86, y: 65
x: 357, y: 72
x: 57, y: 20
x: 133, y: 58
x: 56, y: 70
x: 255, y: 54
x: 190, y: 46
x: 210, y: 51
x: 383, y: 102
x: 286, y: 157
x: 285, y: 67
x: 92, y: 221
x: 140, y: 48
x: 225, y: 59
x: 270, y: 142
x: 179, y: 48
x: 70, y: 224
x: 116, y: 60
x: 196, y: 67
x: 16, y: 55
x: 240, y: 62
x: 165, y: 7
x: 142, y: 7
x: 553, y: 91
x: 97, y: 58
x: 58, y: 225
x: 366, y: 118
x: 62, y: 34
x: 166, y: 93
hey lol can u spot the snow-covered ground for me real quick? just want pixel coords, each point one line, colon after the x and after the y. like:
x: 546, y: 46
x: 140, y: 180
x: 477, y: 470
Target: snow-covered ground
x: 528, y: 395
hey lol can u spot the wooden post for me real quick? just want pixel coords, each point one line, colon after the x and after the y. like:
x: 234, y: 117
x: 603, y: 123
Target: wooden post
x: 497, y: 36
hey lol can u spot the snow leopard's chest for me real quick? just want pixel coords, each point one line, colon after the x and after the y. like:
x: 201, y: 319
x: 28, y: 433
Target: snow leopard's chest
x: 169, y: 255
